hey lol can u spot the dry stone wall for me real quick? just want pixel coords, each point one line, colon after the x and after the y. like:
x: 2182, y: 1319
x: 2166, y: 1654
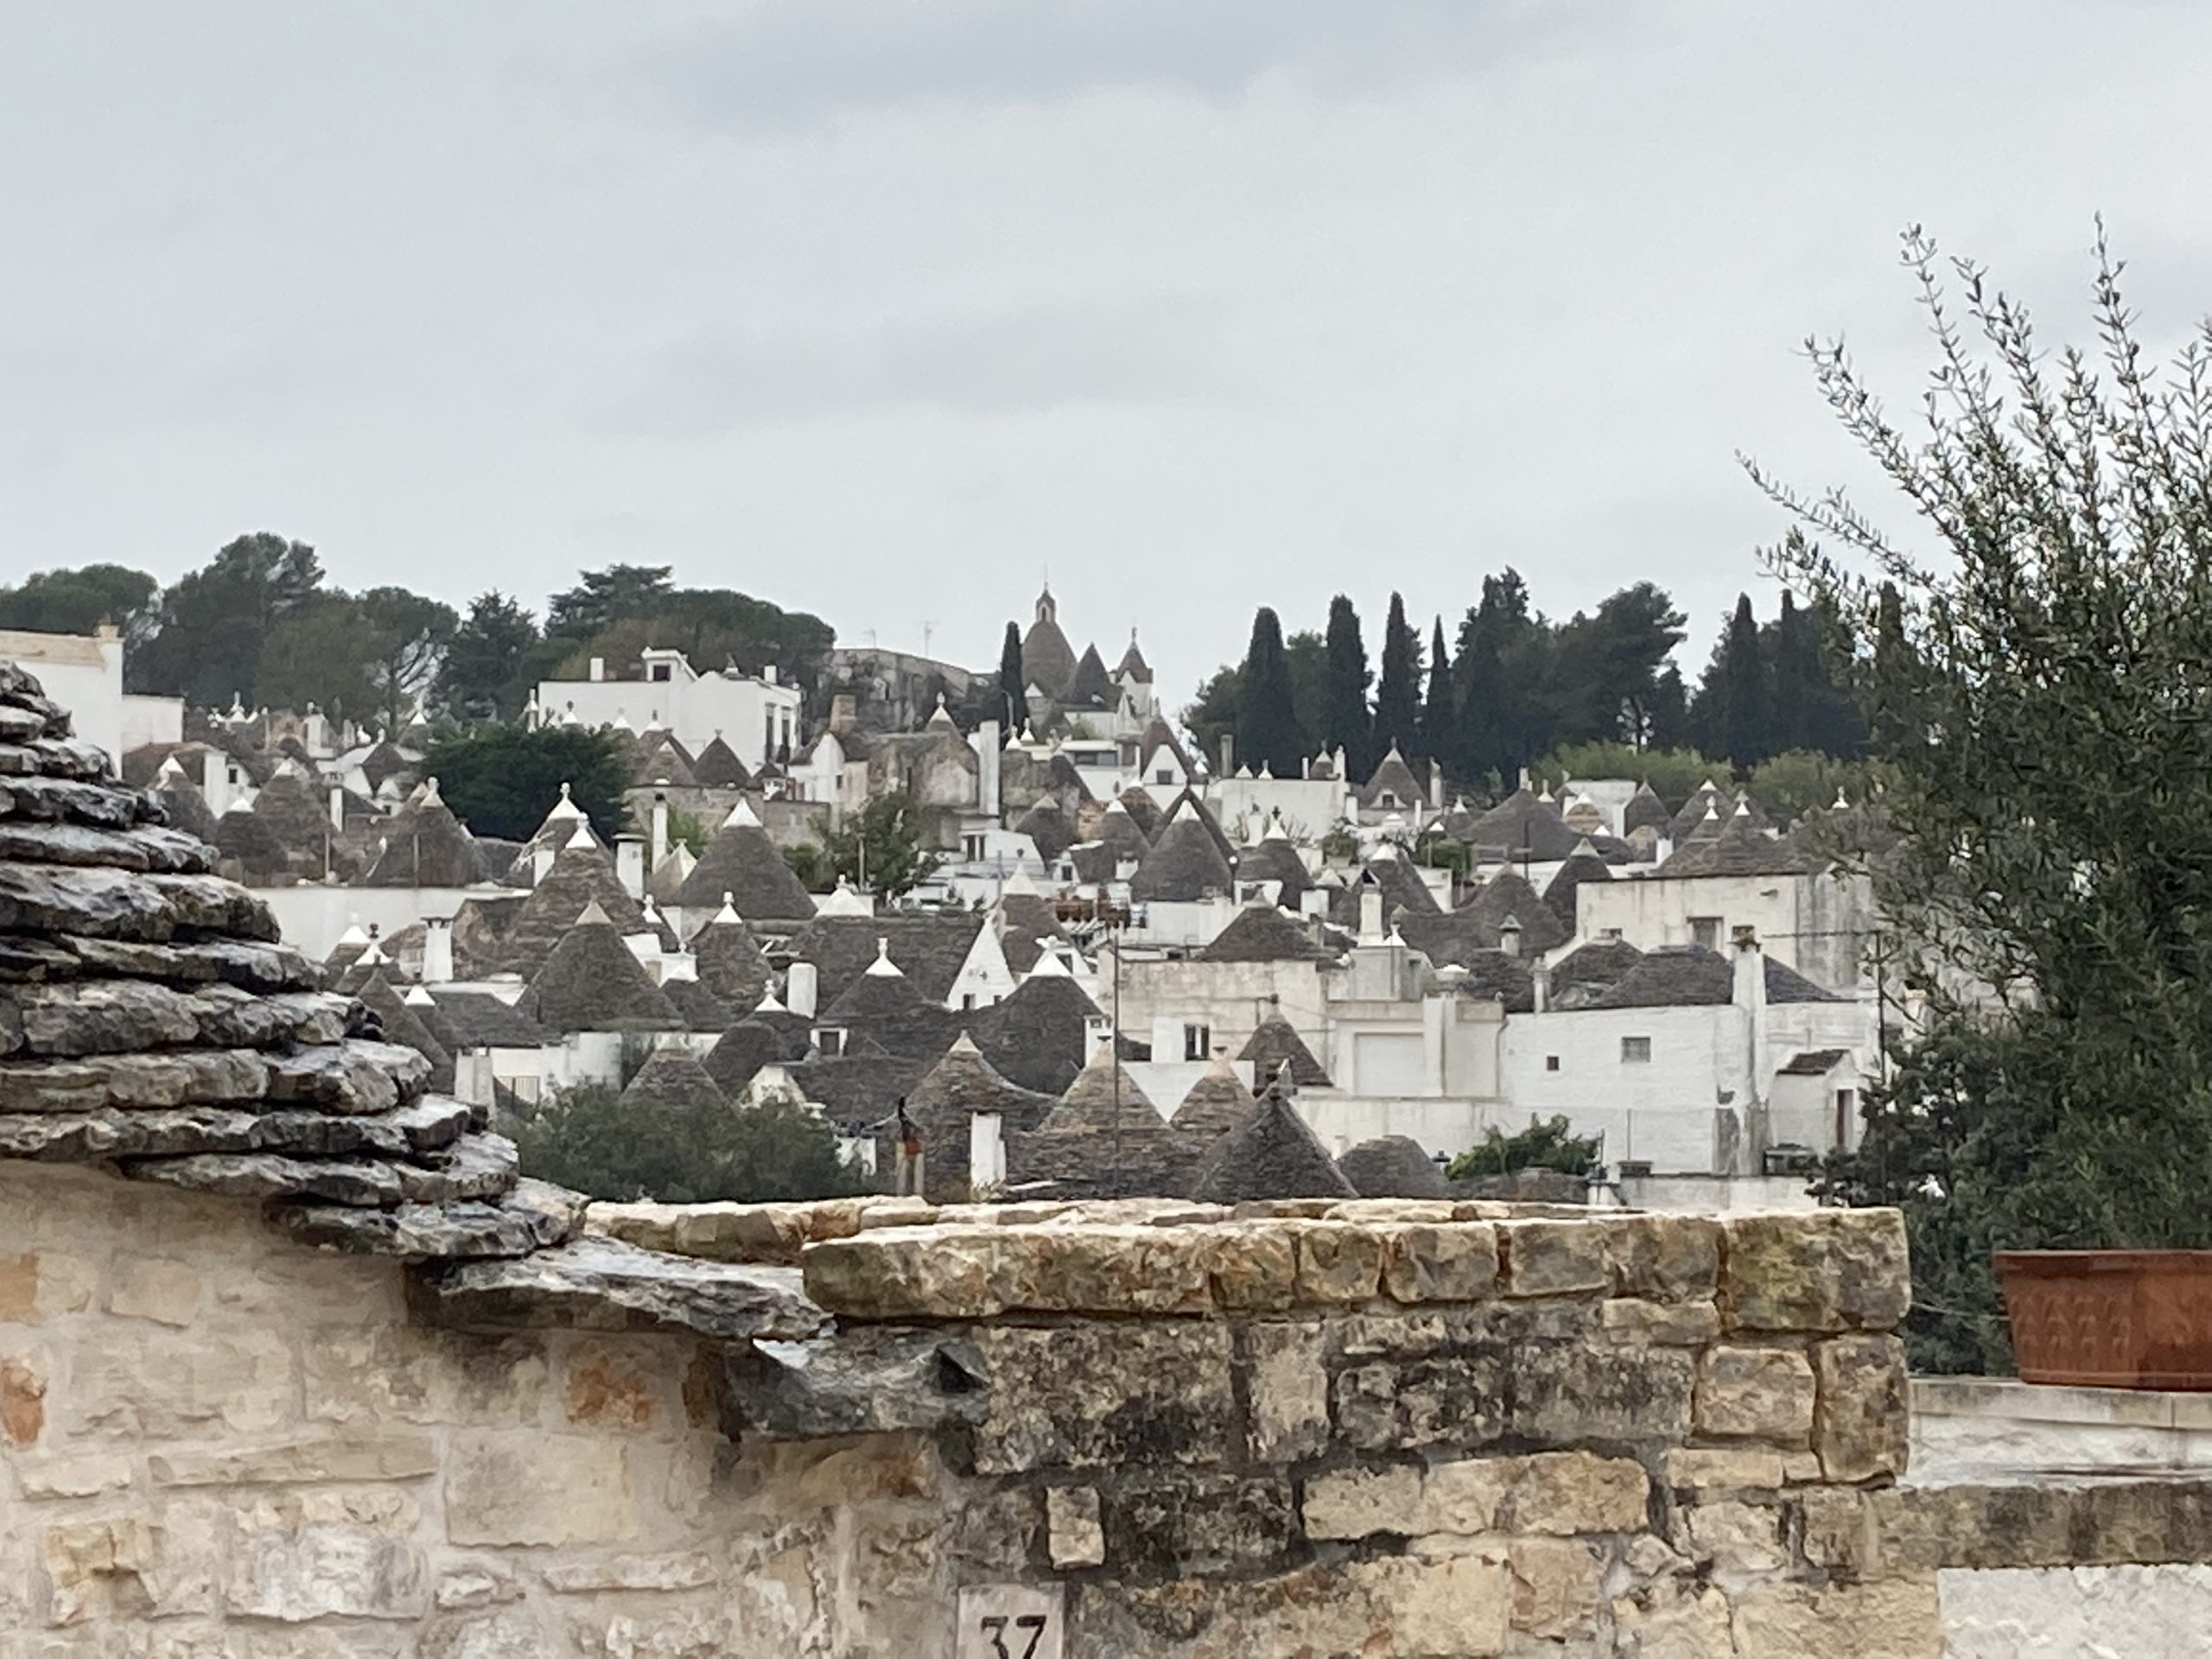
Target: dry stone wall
x: 1371, y: 1429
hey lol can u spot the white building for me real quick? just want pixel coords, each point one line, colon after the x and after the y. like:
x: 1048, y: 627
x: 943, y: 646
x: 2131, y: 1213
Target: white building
x: 84, y: 674
x: 758, y: 716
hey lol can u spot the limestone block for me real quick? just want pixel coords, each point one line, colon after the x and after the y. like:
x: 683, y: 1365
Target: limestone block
x: 1286, y: 1391
x: 1337, y: 1261
x: 535, y: 1216
x: 695, y: 1632
x: 1755, y: 1393
x: 981, y: 1272
x: 151, y: 1287
x: 1554, y: 1258
x: 1678, y: 1619
x: 1567, y: 1395
x: 611, y: 1385
x: 23, y: 1398
x: 84, y: 1475
x: 1382, y: 1211
x: 1674, y: 1324
x: 1463, y: 1498
x: 385, y: 1373
x: 168, y: 1384
x: 476, y: 1584
x: 601, y: 1284
x: 1459, y: 1605
x: 109, y: 1016
x: 1456, y: 1262
x: 392, y: 1455
x: 266, y: 1175
x: 1347, y: 1504
x: 327, y: 1553
x: 1897, y: 1619
x: 1742, y: 1540
x: 38, y: 1286
x: 1407, y: 1406
x: 95, y: 1566
x: 1703, y: 1469
x: 1561, y: 1493
x: 1075, y: 1537
x: 1096, y: 1394
x: 135, y: 1081
x: 685, y: 1570
x: 1824, y: 1270
x: 507, y: 1487
x: 1558, y: 1586
x: 1249, y: 1268
x: 867, y: 1379
x: 776, y: 1605
x: 1111, y: 1270
x: 1862, y: 1425
x: 511, y: 1633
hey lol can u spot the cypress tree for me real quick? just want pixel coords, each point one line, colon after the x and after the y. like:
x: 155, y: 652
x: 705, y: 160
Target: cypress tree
x: 1743, y: 720
x: 1438, y: 714
x: 1013, y: 694
x: 1266, y: 715
x: 1800, y: 683
x: 1397, y: 695
x: 1345, y: 723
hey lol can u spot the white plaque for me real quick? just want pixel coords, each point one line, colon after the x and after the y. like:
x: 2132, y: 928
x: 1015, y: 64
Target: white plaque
x: 1011, y: 1621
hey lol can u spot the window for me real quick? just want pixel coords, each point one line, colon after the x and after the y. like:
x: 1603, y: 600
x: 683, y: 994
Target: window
x: 1198, y: 1042
x: 1635, y: 1050
x: 657, y: 672
x: 831, y: 1039
x: 1164, y: 775
x: 968, y: 1002
x: 1706, y: 931
x: 1551, y: 1062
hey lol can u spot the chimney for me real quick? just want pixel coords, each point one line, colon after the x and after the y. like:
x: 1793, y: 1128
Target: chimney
x: 1539, y: 987
x: 599, y: 668
x: 338, y: 807
x: 215, y: 780
x: 1314, y: 904
x: 1229, y: 754
x: 541, y: 860
x: 1435, y: 785
x: 1370, y: 915
x: 986, y: 1156
x: 1750, y: 996
x: 844, y: 712
x: 802, y: 988
x: 768, y: 673
x: 630, y: 864
x: 988, y: 745
x: 659, y: 849
x: 437, y: 950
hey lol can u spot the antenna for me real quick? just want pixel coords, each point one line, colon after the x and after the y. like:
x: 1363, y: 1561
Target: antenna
x: 929, y: 629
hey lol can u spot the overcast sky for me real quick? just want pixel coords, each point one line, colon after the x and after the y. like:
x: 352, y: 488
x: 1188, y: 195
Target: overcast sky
x: 881, y: 309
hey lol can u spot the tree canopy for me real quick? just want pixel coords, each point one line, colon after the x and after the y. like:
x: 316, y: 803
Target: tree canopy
x: 2043, y: 686
x: 702, y: 1151
x: 878, y: 847
x: 502, y: 780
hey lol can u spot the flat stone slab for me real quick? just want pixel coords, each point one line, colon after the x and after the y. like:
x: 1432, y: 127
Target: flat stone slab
x: 866, y: 1381
x: 474, y: 1166
x: 135, y: 1081
x: 176, y: 1132
x: 269, y: 1175
x: 601, y: 1284
x: 535, y: 1216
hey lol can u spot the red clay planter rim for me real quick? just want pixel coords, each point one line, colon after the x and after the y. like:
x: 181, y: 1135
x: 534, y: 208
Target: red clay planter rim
x: 2110, y: 1319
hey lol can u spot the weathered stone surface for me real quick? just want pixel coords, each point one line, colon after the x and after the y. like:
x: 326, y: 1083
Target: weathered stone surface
x: 1755, y: 1393
x: 1730, y: 1469
x: 269, y: 1175
x: 178, y: 1077
x: 1675, y: 1618
x: 60, y: 800
x: 1566, y: 1492
x: 1196, y: 1522
x: 1463, y: 1498
x: 306, y: 1460
x: 1663, y: 1258
x: 1553, y: 1258
x: 687, y: 1570
x: 112, y: 904
x: 533, y: 1216
x: 1093, y: 1396
x: 1567, y: 1394
x: 1860, y: 1426
x: 1337, y: 1261
x: 1075, y: 1534
x: 115, y: 1016
x: 1557, y: 1586
x: 1456, y: 1262
x: 23, y: 1399
x: 1897, y: 1619
x: 524, y: 1486
x: 1287, y: 1391
x: 473, y: 1166
x: 1824, y: 1270
x: 601, y: 1284
x: 1424, y: 1402
x: 969, y: 1273
x: 1739, y: 1540
x: 350, y: 1076
x: 1249, y: 1269
x: 864, y: 1381
x: 769, y: 1233
x: 1353, y: 1504
x: 1672, y: 1324
x: 147, y: 846
x: 245, y: 964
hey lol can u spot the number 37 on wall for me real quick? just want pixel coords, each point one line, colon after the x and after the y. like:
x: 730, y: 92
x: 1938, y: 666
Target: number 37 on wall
x: 1010, y: 1621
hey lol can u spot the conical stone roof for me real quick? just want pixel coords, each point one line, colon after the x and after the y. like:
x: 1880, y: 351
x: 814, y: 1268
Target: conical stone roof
x: 1183, y: 867
x: 1090, y: 1105
x: 731, y: 964
x: 1393, y: 1166
x: 582, y: 876
x: 671, y: 1077
x: 951, y: 1092
x: 1272, y: 1154
x: 1275, y: 1043
x: 742, y: 862
x: 741, y: 1051
x: 591, y: 982
x: 160, y: 1029
x: 1219, y: 1102
x: 716, y: 766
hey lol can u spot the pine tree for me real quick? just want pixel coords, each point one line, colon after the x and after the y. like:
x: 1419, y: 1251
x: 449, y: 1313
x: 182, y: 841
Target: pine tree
x: 1346, y: 722
x: 1267, y: 715
x: 1743, y: 712
x: 1012, y: 692
x: 1439, y: 716
x: 1397, y: 695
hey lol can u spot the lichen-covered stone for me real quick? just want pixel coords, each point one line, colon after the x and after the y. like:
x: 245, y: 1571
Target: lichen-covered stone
x: 1181, y: 1523
x: 176, y: 1077
x: 1569, y: 1395
x: 1287, y: 1391
x: 1663, y: 1258
x: 1455, y: 1262
x: 1104, y: 1394
x: 1822, y: 1270
x: 1860, y: 1424
x: 1409, y: 1405
x: 269, y: 1175
x: 1553, y: 1258
x: 533, y: 1216
x: 1672, y: 1324
x: 1337, y: 1261
x: 866, y: 1380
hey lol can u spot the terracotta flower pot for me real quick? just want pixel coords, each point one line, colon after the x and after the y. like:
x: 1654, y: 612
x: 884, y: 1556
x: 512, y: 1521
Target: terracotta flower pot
x: 2110, y: 1319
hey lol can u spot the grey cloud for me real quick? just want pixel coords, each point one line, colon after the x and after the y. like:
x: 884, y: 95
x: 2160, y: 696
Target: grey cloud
x: 792, y: 62
x: 1168, y: 351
